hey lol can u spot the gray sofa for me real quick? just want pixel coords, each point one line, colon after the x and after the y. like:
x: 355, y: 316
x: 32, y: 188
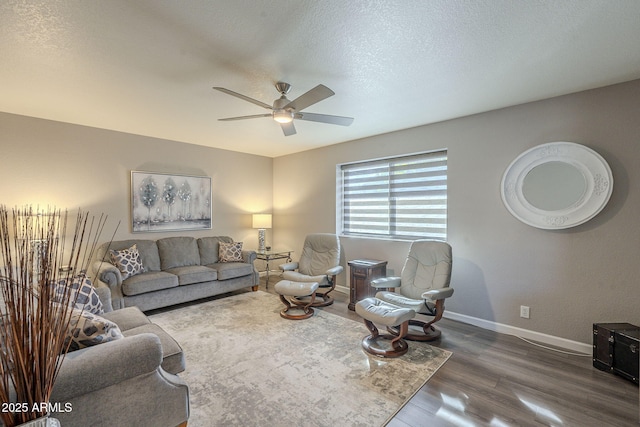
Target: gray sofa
x: 129, y: 381
x: 177, y: 270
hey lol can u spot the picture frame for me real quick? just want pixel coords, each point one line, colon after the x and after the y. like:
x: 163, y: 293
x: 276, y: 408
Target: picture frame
x: 163, y: 202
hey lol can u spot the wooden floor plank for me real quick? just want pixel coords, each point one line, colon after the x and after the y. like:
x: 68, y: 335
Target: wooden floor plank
x: 497, y: 380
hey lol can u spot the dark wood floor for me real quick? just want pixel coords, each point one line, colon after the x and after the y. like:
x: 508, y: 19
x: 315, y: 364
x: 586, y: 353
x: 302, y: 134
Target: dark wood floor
x: 500, y: 380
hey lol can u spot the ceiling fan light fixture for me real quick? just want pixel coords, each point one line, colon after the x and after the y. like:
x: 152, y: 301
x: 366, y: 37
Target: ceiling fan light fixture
x: 283, y: 116
x: 284, y: 111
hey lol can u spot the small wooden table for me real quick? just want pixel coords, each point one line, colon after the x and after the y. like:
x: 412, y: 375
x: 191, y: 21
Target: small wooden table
x: 363, y: 271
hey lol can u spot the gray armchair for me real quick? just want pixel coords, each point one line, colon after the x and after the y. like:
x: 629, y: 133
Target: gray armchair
x: 127, y: 382
x: 422, y: 287
x: 120, y: 383
x: 319, y: 262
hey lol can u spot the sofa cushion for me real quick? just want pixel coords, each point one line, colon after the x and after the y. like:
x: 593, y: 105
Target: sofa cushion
x: 230, y: 252
x: 147, y: 249
x: 147, y: 282
x: 296, y: 276
x: 231, y: 270
x: 88, y: 329
x: 127, y: 318
x: 172, y: 354
x: 193, y: 274
x: 209, y: 247
x: 178, y: 252
x: 82, y: 294
x: 127, y: 260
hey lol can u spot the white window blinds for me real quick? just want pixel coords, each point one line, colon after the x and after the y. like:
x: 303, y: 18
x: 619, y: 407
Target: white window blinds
x: 401, y: 197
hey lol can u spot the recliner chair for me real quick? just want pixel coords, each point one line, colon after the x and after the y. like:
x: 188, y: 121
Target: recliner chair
x: 422, y: 287
x: 319, y: 262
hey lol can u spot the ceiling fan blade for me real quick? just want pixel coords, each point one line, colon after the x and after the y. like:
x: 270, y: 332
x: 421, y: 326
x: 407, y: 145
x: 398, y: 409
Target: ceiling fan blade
x: 288, y: 128
x: 311, y: 97
x: 246, y: 98
x: 255, y: 116
x: 325, y: 118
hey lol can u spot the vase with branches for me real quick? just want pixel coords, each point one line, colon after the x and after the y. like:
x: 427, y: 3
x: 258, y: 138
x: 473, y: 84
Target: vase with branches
x: 38, y: 250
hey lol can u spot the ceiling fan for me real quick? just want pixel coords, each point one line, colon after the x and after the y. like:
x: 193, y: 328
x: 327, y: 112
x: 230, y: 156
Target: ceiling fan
x: 284, y: 111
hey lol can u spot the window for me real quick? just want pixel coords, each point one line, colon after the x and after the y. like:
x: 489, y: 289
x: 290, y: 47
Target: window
x: 400, y: 197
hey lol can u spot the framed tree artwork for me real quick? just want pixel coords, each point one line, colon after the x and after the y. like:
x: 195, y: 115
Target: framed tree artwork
x: 166, y: 202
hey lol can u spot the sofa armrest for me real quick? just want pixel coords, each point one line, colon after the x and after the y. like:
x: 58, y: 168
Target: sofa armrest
x: 288, y: 266
x: 93, y: 368
x: 334, y: 271
x: 249, y: 256
x: 108, y: 273
x: 386, y: 282
x: 437, y: 294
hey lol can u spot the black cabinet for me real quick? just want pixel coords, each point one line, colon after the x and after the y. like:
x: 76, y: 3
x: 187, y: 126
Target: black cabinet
x: 615, y: 349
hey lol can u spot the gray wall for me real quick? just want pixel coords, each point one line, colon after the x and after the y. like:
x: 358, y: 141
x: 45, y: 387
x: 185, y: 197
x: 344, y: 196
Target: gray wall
x: 569, y: 278
x: 70, y: 167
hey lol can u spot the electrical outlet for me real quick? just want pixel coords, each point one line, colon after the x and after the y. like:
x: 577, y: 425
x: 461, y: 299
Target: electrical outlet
x: 524, y: 311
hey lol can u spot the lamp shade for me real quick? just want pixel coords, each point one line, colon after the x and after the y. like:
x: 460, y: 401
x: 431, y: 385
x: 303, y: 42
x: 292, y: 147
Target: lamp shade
x: 261, y: 220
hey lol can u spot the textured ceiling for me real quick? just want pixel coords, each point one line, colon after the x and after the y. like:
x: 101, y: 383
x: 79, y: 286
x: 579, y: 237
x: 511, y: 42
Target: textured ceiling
x: 148, y: 67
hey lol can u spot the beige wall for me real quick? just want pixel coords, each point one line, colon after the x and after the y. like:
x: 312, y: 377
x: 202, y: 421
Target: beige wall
x: 569, y: 278
x: 69, y: 166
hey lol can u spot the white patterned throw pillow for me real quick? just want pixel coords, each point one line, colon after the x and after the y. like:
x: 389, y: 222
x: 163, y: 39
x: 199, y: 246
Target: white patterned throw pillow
x: 81, y: 291
x: 230, y: 252
x: 128, y: 261
x: 88, y: 329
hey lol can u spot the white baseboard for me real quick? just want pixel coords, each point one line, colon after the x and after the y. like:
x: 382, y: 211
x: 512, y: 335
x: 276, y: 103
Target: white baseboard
x: 564, y: 343
x: 538, y: 337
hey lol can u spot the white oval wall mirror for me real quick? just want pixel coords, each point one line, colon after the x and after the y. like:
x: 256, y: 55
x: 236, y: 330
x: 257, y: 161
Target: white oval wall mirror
x: 557, y: 185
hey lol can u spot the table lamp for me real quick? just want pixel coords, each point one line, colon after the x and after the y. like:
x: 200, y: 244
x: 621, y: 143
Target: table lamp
x: 261, y: 222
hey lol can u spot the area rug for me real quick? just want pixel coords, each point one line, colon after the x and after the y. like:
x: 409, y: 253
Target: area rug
x: 247, y: 366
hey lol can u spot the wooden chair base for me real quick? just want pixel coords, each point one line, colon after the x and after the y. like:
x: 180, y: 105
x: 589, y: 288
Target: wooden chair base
x: 384, y: 345
x: 307, y: 311
x: 324, y: 302
x: 427, y: 332
x: 377, y: 347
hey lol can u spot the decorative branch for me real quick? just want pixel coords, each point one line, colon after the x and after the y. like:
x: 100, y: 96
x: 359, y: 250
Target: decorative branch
x: 35, y: 316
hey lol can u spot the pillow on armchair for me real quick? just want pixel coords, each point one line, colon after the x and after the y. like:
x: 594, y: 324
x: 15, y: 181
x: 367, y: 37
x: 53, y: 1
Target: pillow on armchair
x: 82, y: 292
x: 88, y: 329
